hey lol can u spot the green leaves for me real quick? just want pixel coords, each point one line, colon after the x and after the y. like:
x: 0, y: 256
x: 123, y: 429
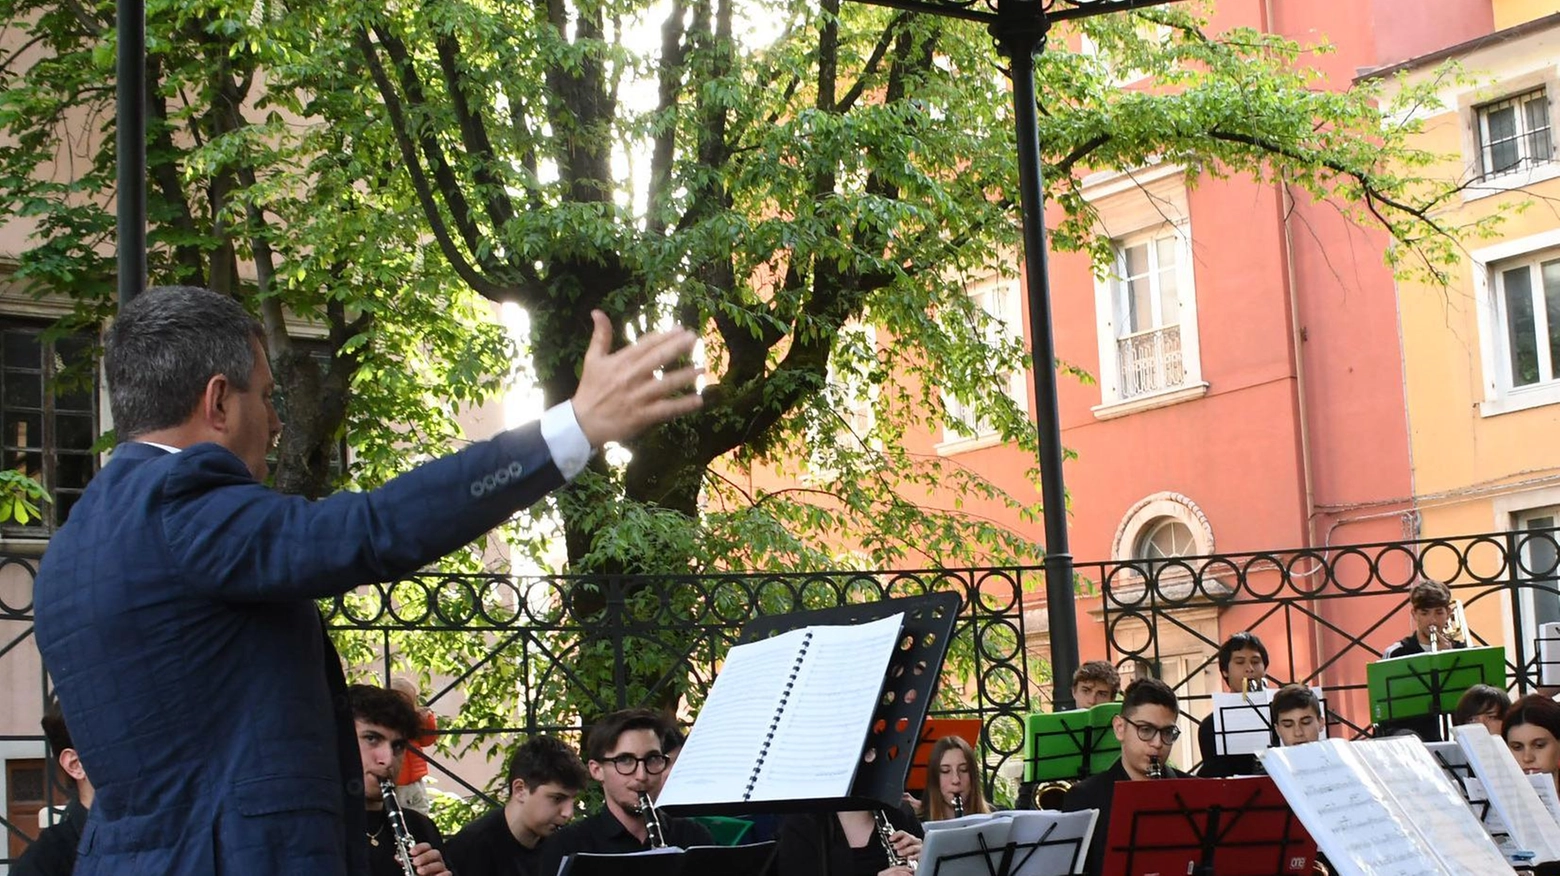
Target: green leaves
x: 19, y: 497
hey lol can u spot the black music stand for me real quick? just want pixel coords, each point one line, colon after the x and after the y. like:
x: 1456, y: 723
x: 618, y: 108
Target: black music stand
x: 1206, y: 827
x: 754, y: 859
x: 912, y: 676
x: 1453, y: 762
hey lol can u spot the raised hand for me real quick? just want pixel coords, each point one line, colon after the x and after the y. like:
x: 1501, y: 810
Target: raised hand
x: 621, y: 394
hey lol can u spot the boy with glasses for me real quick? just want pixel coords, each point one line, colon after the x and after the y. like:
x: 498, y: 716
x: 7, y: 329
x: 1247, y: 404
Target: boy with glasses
x: 1147, y: 730
x: 624, y: 753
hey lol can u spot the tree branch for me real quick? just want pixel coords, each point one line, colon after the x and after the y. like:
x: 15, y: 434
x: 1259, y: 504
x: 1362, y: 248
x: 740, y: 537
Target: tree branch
x: 420, y: 184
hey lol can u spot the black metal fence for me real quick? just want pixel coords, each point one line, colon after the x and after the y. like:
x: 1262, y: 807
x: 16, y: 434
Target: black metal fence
x: 552, y: 652
x: 1325, y: 613
x: 565, y: 650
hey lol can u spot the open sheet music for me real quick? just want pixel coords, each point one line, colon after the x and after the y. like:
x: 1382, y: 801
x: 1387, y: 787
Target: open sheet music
x: 1021, y: 843
x: 786, y: 718
x: 1454, y: 764
x: 1243, y: 722
x: 1382, y: 808
x: 1531, y: 826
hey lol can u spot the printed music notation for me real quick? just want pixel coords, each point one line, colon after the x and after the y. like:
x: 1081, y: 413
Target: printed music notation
x: 1359, y: 818
x: 787, y: 717
x: 1531, y: 826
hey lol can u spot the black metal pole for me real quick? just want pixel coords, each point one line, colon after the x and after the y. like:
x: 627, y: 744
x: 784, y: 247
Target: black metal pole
x: 1020, y: 31
x: 130, y: 130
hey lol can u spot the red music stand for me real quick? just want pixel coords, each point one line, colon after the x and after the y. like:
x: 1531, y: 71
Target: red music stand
x: 933, y: 729
x: 1206, y: 827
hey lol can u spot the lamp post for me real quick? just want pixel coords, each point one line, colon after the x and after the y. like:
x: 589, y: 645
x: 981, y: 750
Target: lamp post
x: 130, y: 146
x: 1019, y: 27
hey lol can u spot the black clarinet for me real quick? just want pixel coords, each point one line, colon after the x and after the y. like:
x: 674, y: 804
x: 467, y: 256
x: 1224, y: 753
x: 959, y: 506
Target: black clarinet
x: 653, y: 830
x: 958, y: 805
x: 886, y: 836
x: 1156, y: 770
x: 398, y: 829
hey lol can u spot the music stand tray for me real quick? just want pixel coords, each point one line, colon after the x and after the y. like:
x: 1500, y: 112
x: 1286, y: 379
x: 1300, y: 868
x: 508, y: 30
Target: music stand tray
x: 1431, y: 683
x: 1206, y: 827
x: 753, y: 859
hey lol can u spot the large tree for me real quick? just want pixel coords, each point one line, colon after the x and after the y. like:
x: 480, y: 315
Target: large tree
x: 772, y: 174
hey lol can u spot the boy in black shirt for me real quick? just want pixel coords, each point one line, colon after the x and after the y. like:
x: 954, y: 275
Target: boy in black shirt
x: 545, y: 777
x: 386, y: 723
x: 1147, y: 730
x: 626, y: 754
x: 1430, y: 604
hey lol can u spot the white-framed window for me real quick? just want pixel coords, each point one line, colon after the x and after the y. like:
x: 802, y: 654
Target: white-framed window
x: 1538, y: 599
x: 1147, y: 315
x: 1515, y: 133
x: 1001, y: 299
x: 1527, y: 304
x: 48, y: 415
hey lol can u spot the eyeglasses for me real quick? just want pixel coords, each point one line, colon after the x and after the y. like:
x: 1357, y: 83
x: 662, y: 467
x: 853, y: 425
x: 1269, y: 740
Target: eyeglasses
x: 1147, y: 731
x: 627, y: 764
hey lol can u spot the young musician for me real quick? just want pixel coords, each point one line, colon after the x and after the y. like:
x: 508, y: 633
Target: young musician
x: 847, y: 844
x: 545, y: 776
x: 624, y: 753
x: 1146, y: 728
x: 1482, y: 704
x: 386, y: 723
x: 1296, y: 715
x: 1532, y: 732
x: 53, y: 853
x: 1243, y: 661
x: 1431, y: 609
x: 1093, y: 683
x: 952, y: 772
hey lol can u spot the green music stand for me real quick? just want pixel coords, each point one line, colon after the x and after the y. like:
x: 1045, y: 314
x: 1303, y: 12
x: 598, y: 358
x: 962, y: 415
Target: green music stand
x: 1070, y: 745
x: 1431, y: 683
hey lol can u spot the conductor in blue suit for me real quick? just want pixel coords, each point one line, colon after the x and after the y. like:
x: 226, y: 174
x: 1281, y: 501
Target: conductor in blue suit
x: 175, y: 607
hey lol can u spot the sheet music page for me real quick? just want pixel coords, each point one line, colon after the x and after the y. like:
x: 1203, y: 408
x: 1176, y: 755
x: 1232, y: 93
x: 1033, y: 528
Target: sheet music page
x: 966, y: 821
x: 1241, y: 722
x: 717, y: 760
x: 1479, y: 802
x: 1405, y: 767
x: 1066, y: 836
x: 818, y: 741
x: 958, y: 850
x: 1549, y: 654
x: 1356, y: 823
x: 1545, y: 786
x: 1530, y: 825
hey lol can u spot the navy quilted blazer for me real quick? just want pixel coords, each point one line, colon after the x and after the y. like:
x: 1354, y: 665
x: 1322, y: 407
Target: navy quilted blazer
x: 175, y: 613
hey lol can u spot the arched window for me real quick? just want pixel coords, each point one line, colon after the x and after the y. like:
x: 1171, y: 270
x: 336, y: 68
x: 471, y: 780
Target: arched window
x: 1161, y: 526
x: 1165, y: 538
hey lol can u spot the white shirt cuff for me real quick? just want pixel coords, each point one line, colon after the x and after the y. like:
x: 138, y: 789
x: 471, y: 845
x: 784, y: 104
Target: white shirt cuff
x: 565, y: 440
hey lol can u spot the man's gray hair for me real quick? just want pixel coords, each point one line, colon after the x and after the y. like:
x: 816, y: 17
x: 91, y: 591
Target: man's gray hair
x: 165, y: 346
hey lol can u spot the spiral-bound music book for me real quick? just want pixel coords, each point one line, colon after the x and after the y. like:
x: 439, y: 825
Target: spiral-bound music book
x: 787, y: 719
